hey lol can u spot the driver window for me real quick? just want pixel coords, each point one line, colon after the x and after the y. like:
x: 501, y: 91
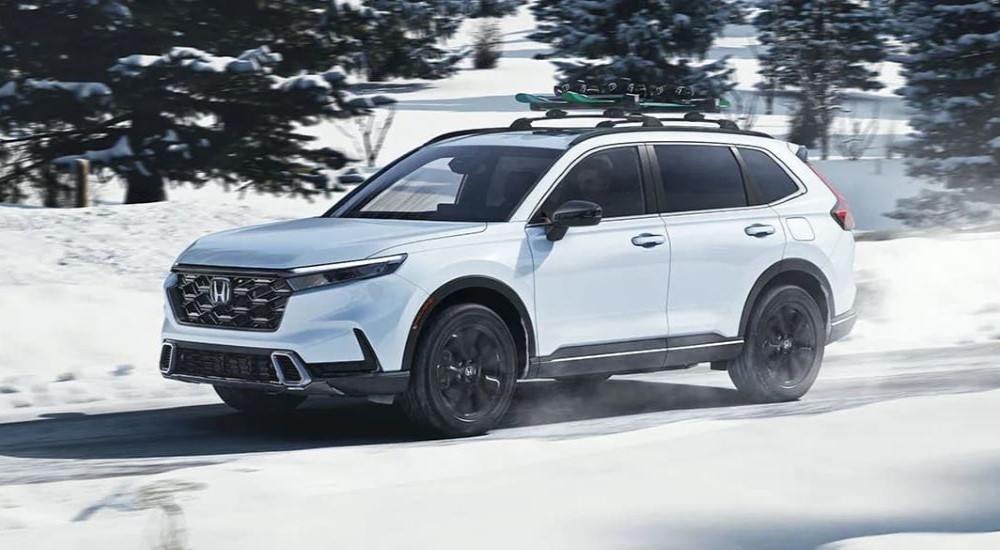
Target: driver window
x: 612, y: 178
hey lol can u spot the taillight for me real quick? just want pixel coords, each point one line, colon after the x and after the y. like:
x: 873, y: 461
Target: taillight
x: 841, y: 212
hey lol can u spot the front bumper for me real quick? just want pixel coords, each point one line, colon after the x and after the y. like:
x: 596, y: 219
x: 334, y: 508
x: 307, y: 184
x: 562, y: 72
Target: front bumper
x: 278, y: 371
x: 321, y: 325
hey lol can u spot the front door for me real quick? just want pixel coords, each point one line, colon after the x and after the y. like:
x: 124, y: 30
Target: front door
x: 601, y: 291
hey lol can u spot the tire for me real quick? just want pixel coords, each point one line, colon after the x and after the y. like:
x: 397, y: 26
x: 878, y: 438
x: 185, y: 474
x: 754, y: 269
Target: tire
x: 257, y: 402
x: 784, y: 345
x: 463, y: 373
x: 584, y: 382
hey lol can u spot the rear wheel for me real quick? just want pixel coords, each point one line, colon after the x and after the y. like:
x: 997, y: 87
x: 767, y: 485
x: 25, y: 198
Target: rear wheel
x: 258, y: 402
x: 783, y: 349
x: 463, y: 375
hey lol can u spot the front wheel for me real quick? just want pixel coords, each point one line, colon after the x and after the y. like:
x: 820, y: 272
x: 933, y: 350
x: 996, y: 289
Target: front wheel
x: 783, y: 348
x: 258, y: 402
x: 463, y: 373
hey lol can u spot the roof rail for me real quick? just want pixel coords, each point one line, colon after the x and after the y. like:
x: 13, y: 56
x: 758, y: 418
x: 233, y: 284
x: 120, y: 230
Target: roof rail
x: 616, y: 116
x: 597, y: 132
x: 466, y: 132
x: 525, y: 123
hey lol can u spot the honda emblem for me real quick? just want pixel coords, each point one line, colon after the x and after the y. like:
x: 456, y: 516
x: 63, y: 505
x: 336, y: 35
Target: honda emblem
x: 221, y: 291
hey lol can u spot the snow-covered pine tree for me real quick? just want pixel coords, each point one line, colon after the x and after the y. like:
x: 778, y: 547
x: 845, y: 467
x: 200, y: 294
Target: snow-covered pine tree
x: 98, y: 80
x: 952, y: 68
x: 490, y: 8
x: 819, y: 49
x: 398, y: 37
x: 648, y: 41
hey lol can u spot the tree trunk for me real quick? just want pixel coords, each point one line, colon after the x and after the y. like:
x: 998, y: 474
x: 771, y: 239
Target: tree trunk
x: 143, y: 188
x: 50, y: 194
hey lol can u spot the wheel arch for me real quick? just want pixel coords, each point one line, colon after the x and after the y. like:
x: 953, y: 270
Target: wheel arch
x: 485, y: 291
x: 797, y: 272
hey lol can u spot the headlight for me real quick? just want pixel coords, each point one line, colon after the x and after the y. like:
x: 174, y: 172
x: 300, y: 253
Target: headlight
x: 305, y: 278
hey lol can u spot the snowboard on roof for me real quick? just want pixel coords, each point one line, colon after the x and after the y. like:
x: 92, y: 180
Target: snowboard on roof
x: 623, y: 103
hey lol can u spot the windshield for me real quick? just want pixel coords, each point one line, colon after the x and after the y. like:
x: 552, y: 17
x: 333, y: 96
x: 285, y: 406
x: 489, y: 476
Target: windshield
x: 452, y: 183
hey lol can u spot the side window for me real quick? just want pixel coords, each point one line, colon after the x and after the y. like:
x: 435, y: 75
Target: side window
x: 611, y: 178
x: 771, y: 181
x: 699, y: 177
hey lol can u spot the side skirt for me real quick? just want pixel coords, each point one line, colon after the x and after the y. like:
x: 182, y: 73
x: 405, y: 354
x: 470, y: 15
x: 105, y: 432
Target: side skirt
x: 636, y: 356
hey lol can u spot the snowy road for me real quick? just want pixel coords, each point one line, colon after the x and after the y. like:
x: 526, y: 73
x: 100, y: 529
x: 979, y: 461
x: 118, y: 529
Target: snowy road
x: 83, y: 446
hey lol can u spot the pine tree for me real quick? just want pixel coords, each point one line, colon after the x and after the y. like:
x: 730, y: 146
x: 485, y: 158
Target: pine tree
x: 490, y: 8
x: 648, y: 41
x: 819, y: 48
x: 95, y: 79
x: 952, y: 69
x: 399, y: 38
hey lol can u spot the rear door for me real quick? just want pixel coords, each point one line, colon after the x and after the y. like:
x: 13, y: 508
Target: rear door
x: 720, y: 244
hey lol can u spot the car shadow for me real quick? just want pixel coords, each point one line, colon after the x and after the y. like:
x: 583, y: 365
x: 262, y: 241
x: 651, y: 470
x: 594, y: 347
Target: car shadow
x: 211, y: 430
x: 549, y: 402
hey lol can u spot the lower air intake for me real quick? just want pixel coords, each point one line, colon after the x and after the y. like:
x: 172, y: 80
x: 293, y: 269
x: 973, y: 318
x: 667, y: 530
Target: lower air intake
x: 166, y: 357
x: 224, y: 365
x: 285, y: 364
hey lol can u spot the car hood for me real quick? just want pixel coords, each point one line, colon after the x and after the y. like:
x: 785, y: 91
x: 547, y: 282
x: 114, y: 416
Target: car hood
x: 314, y: 241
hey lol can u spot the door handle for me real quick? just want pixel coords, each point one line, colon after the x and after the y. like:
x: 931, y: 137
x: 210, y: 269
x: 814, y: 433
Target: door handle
x: 648, y: 240
x: 759, y: 230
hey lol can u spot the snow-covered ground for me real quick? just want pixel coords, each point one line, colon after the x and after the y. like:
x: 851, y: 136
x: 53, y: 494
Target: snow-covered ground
x: 793, y: 482
x: 79, y: 332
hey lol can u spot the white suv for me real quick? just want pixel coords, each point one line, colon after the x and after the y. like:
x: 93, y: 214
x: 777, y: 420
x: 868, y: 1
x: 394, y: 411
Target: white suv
x: 489, y: 256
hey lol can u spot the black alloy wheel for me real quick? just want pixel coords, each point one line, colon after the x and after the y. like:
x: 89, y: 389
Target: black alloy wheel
x: 468, y: 371
x: 463, y: 374
x: 783, y: 347
x: 787, y: 345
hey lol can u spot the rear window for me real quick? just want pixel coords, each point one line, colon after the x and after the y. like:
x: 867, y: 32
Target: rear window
x: 770, y: 179
x: 699, y: 177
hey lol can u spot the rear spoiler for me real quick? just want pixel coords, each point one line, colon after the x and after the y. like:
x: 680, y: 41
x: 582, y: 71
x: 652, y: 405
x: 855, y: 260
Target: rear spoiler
x: 800, y: 151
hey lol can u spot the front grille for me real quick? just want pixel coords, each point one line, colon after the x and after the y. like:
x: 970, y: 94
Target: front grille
x: 250, y: 367
x: 255, y: 302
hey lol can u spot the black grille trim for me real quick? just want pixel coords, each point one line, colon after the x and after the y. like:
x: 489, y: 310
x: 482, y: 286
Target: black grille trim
x: 367, y: 365
x: 204, y: 362
x: 258, y: 300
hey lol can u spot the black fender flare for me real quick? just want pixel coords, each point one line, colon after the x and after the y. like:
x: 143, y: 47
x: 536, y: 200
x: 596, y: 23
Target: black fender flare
x: 790, y: 265
x: 440, y: 295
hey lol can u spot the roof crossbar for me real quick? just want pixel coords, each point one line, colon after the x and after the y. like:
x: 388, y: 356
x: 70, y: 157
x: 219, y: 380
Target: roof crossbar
x: 615, y: 117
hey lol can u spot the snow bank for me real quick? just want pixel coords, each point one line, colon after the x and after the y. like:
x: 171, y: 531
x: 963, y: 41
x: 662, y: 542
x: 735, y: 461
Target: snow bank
x: 926, y: 292
x: 80, y: 293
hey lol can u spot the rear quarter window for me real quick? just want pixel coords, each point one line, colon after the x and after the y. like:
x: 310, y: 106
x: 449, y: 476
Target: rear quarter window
x: 771, y: 181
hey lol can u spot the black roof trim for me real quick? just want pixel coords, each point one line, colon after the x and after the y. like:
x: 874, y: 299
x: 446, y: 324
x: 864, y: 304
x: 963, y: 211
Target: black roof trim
x: 607, y: 131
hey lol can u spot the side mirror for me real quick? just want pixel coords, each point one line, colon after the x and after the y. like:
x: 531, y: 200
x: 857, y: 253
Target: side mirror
x: 572, y: 214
